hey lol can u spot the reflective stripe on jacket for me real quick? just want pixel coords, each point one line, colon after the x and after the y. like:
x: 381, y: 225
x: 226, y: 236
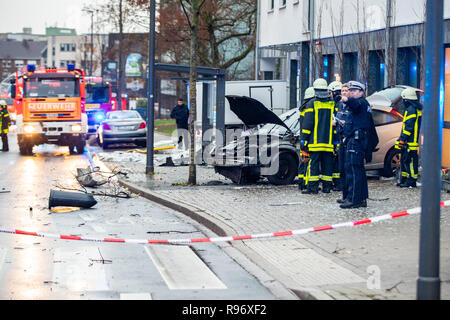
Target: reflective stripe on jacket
x: 5, y: 121
x: 317, y: 126
x: 412, y: 120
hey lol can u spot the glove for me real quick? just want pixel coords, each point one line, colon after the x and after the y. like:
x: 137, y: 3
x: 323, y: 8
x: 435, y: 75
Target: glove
x: 399, y: 144
x: 303, y: 145
x: 305, y: 157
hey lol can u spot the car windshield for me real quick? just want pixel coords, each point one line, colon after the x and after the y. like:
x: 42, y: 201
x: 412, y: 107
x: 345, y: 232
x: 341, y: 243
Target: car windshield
x: 58, y: 87
x: 290, y: 118
x: 97, y: 93
x: 118, y: 115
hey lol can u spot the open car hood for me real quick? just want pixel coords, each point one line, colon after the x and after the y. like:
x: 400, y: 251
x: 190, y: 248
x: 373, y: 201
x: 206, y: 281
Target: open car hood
x: 378, y: 100
x: 252, y: 112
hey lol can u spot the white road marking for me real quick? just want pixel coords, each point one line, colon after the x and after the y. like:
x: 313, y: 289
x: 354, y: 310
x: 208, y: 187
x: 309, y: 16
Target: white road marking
x: 182, y: 269
x: 2, y: 257
x: 87, y: 217
x: 135, y: 296
x: 98, y: 228
x: 75, y: 271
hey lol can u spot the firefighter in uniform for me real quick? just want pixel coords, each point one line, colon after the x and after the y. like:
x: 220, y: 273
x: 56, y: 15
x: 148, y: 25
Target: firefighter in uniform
x: 335, y: 90
x: 304, y: 156
x: 355, y: 133
x: 5, y: 123
x: 408, y: 142
x: 316, y: 138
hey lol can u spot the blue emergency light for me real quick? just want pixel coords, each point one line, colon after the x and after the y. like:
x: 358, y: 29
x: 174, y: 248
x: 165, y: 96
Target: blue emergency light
x: 70, y: 67
x: 31, y: 68
x: 99, y: 116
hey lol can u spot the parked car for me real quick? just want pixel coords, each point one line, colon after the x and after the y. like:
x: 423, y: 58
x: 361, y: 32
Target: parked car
x: 387, y: 107
x: 122, y: 127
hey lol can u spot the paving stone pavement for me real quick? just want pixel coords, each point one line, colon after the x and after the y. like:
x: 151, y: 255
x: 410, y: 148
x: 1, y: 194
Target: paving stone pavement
x: 373, y: 261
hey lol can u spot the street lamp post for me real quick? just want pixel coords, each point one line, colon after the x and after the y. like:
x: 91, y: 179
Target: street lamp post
x: 151, y: 91
x: 91, y: 12
x: 92, y: 42
x: 428, y: 283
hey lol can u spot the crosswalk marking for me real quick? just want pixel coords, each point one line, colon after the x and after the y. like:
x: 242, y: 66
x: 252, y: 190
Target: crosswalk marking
x: 182, y: 269
x: 75, y: 271
x: 135, y: 296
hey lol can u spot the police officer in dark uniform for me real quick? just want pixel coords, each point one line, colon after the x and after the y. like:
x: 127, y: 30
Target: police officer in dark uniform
x: 355, y: 139
x: 304, y: 155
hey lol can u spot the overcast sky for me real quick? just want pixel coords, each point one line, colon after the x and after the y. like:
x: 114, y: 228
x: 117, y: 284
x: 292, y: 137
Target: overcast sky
x: 39, y: 14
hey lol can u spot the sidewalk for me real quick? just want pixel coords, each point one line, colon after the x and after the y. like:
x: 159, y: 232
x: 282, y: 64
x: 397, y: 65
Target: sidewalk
x: 347, y: 263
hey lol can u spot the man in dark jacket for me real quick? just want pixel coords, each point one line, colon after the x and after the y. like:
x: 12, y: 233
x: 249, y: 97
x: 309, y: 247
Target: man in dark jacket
x: 356, y: 133
x: 5, y: 123
x: 181, y: 114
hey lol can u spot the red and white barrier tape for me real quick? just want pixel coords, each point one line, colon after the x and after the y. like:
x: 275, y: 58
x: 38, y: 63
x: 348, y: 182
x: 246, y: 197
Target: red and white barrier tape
x: 225, y: 239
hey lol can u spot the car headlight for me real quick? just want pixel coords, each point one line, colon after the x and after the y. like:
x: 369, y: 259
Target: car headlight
x: 76, y: 128
x: 29, y: 128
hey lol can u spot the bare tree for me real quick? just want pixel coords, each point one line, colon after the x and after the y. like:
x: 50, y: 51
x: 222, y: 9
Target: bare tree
x: 338, y: 39
x: 363, y: 42
x: 420, y: 50
x: 192, y: 10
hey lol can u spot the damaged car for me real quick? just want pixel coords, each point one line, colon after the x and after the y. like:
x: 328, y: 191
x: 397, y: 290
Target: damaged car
x: 269, y: 147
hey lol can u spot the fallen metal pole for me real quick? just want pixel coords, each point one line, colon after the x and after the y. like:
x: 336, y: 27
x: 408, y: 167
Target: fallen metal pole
x: 429, y: 283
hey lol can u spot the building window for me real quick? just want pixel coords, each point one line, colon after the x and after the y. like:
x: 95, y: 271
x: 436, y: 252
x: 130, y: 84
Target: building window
x: 64, y: 63
x: 328, y: 68
x: 408, y: 66
x: 32, y: 62
x: 19, y: 63
x: 67, y: 47
x: 282, y: 4
x: 6, y: 63
x: 271, y: 5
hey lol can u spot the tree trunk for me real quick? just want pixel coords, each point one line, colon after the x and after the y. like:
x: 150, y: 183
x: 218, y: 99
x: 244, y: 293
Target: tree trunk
x: 193, y: 92
x: 121, y: 67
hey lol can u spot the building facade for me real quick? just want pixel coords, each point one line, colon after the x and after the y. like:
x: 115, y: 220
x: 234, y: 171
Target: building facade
x: 65, y: 47
x: 16, y: 54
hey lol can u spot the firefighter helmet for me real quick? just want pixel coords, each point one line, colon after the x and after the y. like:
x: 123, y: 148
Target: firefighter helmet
x: 320, y: 84
x: 335, y: 86
x: 309, y: 93
x: 3, y: 103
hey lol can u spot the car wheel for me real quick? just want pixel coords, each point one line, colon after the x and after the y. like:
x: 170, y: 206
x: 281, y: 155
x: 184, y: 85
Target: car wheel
x: 72, y: 149
x: 287, y: 170
x: 392, y: 163
x: 26, y: 149
x: 80, y: 147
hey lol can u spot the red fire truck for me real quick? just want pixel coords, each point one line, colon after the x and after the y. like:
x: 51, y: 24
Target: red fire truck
x: 50, y: 106
x: 100, y: 99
